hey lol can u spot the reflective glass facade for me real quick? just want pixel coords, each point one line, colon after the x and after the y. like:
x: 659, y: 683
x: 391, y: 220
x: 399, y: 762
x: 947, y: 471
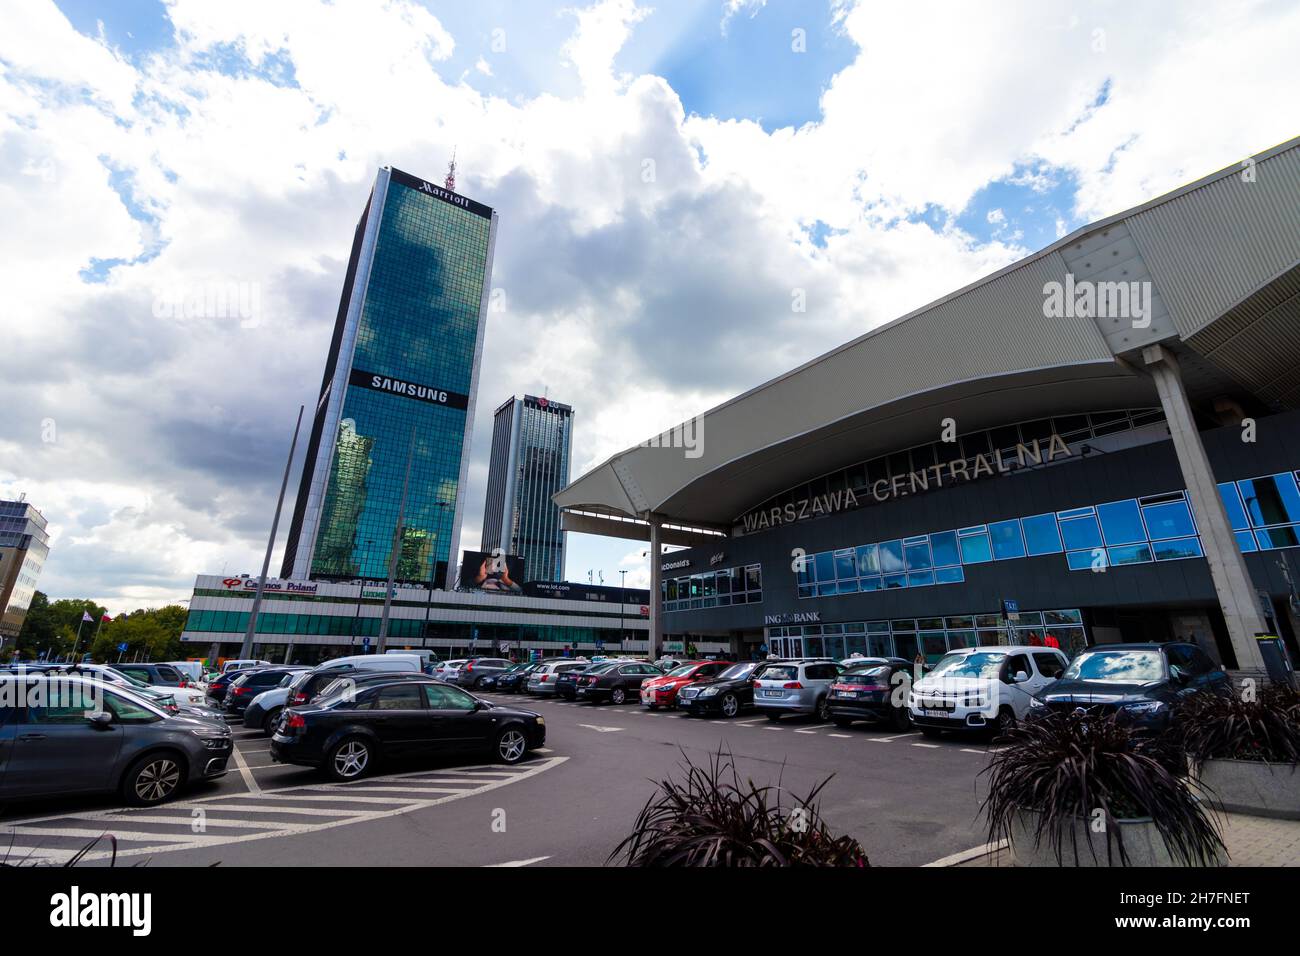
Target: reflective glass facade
x: 24, y: 546
x: 532, y: 440
x: 714, y: 589
x: 399, y: 386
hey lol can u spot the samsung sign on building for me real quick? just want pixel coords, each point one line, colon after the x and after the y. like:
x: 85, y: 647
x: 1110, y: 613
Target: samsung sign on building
x: 902, y: 485
x: 419, y: 391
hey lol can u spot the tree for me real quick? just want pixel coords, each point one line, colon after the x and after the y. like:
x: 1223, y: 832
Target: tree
x: 153, y: 634
x: 51, y: 627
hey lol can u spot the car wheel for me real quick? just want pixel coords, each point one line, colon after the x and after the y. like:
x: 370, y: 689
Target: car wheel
x: 349, y: 760
x: 478, y: 683
x: 730, y: 706
x: 1006, y: 722
x: 843, y: 722
x: 617, y: 696
x: 823, y: 711
x: 152, y: 779
x: 899, y: 719
x: 273, y: 718
x: 511, y: 745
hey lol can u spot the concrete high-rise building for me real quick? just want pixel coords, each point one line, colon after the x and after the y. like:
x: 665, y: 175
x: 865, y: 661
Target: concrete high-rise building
x: 531, y: 443
x: 404, y: 360
x: 24, y: 546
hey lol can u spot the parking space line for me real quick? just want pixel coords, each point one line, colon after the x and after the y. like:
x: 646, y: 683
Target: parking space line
x: 752, y: 720
x: 842, y: 736
x: 246, y: 773
x: 885, y: 740
x: 928, y: 746
x: 805, y: 732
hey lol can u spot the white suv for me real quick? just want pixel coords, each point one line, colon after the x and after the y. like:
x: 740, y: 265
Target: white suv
x: 982, y: 688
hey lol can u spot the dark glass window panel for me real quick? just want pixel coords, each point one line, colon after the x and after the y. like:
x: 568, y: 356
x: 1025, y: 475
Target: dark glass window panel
x: 944, y: 548
x: 976, y: 443
x: 891, y: 556
x: 1084, y: 560
x: 868, y: 560
x: 1233, y: 506
x: 1041, y: 535
x: 1040, y: 429
x: 825, y: 564
x: 1170, y: 520
x: 1007, y: 542
x: 846, y: 565
x: 1246, y: 541
x: 1177, y: 548
x: 1274, y: 538
x: 1121, y: 522
x: 920, y: 579
x: 900, y: 463
x: 1071, y: 425
x: 923, y: 457
x: 975, y: 548
x: 895, y: 581
x: 1129, y: 554
x: 917, y: 556
x: 1006, y: 437
x: 1080, y: 533
x: 1271, y: 500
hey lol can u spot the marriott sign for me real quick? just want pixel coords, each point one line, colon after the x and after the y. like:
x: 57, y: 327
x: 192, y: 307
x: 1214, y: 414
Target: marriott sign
x: 906, y: 483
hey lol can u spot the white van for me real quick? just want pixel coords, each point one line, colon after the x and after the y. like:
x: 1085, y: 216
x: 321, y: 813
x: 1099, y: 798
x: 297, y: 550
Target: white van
x: 239, y: 665
x: 308, y: 684
x: 396, y: 661
x: 982, y: 688
x: 427, y: 658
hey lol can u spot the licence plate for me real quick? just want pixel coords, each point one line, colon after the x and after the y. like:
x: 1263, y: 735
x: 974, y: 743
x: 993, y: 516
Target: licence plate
x: 846, y: 693
x: 773, y: 693
x: 935, y: 713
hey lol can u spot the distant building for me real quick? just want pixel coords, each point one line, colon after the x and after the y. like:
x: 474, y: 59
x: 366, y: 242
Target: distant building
x: 531, y: 443
x: 24, y: 546
x: 403, y: 360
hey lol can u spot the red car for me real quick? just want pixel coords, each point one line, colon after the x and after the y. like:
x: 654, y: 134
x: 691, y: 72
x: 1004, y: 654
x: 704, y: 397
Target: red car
x: 662, y: 691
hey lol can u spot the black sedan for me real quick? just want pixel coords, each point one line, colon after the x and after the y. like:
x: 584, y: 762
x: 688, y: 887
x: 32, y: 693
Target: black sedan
x: 874, y: 691
x: 348, y: 734
x: 1142, y: 683
x: 727, y: 694
x: 617, y: 683
x: 513, y: 680
x: 566, y: 682
x: 249, y: 683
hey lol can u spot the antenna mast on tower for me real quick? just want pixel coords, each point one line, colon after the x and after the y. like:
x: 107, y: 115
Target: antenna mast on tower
x: 450, y: 181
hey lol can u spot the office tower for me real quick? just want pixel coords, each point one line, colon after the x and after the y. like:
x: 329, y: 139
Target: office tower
x: 24, y: 546
x: 531, y: 444
x: 403, y: 362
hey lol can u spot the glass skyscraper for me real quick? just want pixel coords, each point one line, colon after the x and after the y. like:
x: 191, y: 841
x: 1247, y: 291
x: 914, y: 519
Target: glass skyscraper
x: 24, y: 546
x: 400, y: 383
x: 531, y: 444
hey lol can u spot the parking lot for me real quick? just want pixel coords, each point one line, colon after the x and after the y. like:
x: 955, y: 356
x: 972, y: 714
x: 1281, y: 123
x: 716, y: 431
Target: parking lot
x: 908, y: 799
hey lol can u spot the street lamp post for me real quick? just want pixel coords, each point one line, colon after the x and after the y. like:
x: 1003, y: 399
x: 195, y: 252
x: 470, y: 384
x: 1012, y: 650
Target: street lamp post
x: 246, y: 649
x: 622, y: 600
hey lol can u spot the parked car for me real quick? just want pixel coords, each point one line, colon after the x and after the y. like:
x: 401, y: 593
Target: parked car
x: 447, y: 670
x: 478, y: 671
x: 513, y: 680
x: 217, y: 687
x: 566, y: 683
x: 263, y: 712
x: 874, y: 690
x: 727, y: 694
x: 194, y: 671
x: 251, y: 682
x: 164, y: 697
x: 1143, y: 682
x: 982, y: 688
x: 662, y: 691
x: 238, y: 665
x: 666, y: 664
x: 796, y: 687
x: 165, y: 676
x: 127, y: 743
x: 428, y: 659
x: 617, y: 684
x: 347, y: 735
x: 542, y: 680
x: 308, y: 684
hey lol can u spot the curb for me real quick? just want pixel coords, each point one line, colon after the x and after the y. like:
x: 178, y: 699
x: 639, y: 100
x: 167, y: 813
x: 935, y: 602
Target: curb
x: 966, y: 856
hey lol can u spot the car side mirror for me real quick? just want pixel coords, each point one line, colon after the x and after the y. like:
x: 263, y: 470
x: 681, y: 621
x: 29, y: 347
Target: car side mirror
x: 1020, y: 677
x: 100, y: 720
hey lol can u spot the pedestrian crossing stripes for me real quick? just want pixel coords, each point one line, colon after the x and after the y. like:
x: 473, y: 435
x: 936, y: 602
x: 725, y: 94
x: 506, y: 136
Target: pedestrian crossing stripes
x: 221, y: 819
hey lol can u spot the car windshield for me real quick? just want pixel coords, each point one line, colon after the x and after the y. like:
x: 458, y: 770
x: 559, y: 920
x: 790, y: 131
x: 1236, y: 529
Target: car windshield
x: 1116, y: 667
x: 861, y: 675
x: 981, y: 664
x: 684, y: 671
x: 115, y: 674
x: 736, y: 671
x: 780, y: 672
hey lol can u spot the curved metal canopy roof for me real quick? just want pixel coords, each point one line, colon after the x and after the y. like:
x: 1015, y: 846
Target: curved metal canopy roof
x: 1222, y: 256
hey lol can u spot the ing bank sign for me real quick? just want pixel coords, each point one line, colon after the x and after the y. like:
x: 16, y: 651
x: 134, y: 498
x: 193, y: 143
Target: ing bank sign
x: 904, y: 484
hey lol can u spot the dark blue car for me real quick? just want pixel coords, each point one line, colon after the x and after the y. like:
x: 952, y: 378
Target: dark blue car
x: 1143, y: 683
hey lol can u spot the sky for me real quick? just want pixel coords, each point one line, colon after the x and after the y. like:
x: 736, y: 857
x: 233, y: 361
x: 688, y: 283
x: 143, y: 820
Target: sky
x: 669, y: 177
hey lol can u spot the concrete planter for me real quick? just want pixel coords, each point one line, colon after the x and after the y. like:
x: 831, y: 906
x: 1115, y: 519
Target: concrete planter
x: 1142, y: 843
x: 1254, y: 787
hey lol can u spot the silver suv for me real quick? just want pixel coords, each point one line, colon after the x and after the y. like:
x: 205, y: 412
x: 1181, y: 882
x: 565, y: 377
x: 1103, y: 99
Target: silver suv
x: 796, y: 687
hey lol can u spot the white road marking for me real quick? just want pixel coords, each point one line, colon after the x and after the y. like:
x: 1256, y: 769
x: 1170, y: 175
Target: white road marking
x: 752, y: 720
x: 536, y: 859
x: 21, y: 833
x: 929, y: 746
x: 885, y: 740
x: 968, y: 750
x: 599, y: 729
x: 805, y: 731
x: 842, y: 736
x: 246, y: 772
